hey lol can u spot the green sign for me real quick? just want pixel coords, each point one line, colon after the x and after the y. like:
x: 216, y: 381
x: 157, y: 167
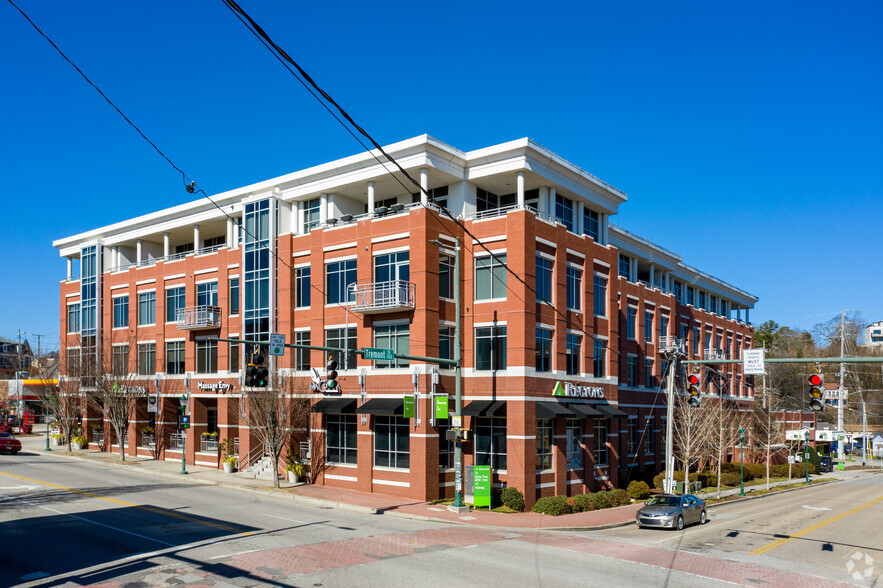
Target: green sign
x: 377, y: 354
x: 558, y: 390
x: 481, y: 485
x: 410, y: 406
x: 441, y: 407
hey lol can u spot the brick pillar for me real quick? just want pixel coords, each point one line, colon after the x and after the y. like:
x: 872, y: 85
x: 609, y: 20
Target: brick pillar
x: 521, y: 449
x: 365, y: 453
x: 559, y: 455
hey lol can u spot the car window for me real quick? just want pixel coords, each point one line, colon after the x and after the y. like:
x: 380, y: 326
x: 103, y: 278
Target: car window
x: 5, y: 435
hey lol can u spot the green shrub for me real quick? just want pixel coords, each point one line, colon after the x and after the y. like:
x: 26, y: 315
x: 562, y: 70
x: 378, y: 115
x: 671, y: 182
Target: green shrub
x: 638, y: 490
x: 553, y: 505
x: 814, y: 460
x: 620, y: 497
x: 81, y: 440
x: 513, y: 498
x: 730, y: 479
x: 729, y: 468
x: 583, y: 502
x: 601, y: 500
x: 708, y: 479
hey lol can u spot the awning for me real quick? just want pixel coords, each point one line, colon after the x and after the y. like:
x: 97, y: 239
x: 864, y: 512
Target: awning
x: 485, y: 408
x: 586, y: 411
x: 553, y: 410
x: 610, y: 412
x: 385, y: 406
x: 335, y: 405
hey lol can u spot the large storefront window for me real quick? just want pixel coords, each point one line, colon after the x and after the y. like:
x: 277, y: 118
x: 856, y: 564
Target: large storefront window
x: 544, y: 444
x: 490, y: 442
x: 340, y: 439
x: 391, y: 442
x: 600, y: 442
x: 445, y: 447
x: 395, y: 337
x: 490, y: 348
x: 574, y: 444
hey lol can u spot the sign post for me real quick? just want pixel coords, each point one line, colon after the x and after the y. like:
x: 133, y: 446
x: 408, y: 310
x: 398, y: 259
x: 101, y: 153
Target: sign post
x: 482, y: 486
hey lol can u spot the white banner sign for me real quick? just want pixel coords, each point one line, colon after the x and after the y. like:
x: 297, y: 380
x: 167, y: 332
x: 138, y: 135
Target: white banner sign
x: 152, y: 402
x: 753, y: 362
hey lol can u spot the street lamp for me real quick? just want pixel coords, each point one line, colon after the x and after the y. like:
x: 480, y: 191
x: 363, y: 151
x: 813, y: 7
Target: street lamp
x: 183, y: 401
x: 806, y: 455
x: 741, y: 461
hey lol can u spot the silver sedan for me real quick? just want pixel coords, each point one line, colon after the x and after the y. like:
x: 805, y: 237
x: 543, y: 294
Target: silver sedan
x: 672, y: 511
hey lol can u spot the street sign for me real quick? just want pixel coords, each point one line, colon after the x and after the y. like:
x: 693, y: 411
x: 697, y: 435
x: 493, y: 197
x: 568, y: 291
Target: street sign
x: 277, y: 344
x: 481, y: 488
x: 377, y: 354
x: 456, y: 420
x: 441, y: 406
x: 409, y: 411
x: 753, y: 362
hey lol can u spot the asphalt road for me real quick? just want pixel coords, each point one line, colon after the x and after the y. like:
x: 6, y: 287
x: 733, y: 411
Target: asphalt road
x: 67, y: 522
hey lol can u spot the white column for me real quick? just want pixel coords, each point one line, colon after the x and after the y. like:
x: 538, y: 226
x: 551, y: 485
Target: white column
x: 603, y: 237
x: 236, y: 236
x: 70, y: 267
x: 424, y: 185
x: 578, y: 227
x: 229, y: 233
x: 543, y: 204
x: 331, y: 206
x: 652, y: 277
x: 370, y: 197
x: 748, y: 320
x: 197, y: 243
x: 520, y: 189
x: 137, y: 250
x: 165, y: 244
x: 323, y: 208
x: 551, y: 210
x: 634, y: 268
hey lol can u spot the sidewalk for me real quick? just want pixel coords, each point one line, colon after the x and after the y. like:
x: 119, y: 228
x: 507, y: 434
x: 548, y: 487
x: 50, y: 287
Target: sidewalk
x: 359, y: 501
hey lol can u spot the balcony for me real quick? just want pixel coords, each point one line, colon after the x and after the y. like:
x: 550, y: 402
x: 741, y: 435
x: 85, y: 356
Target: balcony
x: 198, y: 318
x: 711, y: 353
x: 668, y: 344
x: 383, y: 297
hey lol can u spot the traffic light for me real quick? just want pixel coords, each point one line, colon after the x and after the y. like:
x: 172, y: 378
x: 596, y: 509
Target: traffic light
x: 693, y: 381
x: 331, y: 375
x: 257, y: 375
x: 816, y: 385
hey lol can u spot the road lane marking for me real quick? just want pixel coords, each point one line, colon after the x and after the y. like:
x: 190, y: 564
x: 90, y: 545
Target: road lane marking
x: 815, y: 507
x: 131, y: 504
x: 727, y: 522
x: 232, y: 554
x: 285, y: 518
x: 815, y: 527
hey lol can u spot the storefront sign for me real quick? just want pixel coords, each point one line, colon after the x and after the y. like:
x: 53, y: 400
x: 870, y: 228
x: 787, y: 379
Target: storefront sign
x: 481, y: 489
x: 569, y: 389
x: 441, y: 407
x: 214, y: 386
x: 152, y: 402
x: 409, y: 411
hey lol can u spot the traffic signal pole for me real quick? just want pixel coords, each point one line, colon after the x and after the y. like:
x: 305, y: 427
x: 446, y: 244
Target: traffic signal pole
x: 668, y: 486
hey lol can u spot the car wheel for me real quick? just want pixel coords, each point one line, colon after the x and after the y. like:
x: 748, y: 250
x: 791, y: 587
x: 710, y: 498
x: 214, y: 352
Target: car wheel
x: 680, y: 523
x: 702, y: 518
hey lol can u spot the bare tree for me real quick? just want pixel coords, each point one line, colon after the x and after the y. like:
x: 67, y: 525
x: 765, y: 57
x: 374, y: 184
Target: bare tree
x: 278, y: 417
x: 724, y: 420
x: 689, y: 432
x: 767, y: 435
x: 60, y: 400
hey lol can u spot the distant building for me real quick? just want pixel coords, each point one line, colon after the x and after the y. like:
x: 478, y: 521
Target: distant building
x: 14, y: 357
x: 832, y: 395
x: 874, y: 334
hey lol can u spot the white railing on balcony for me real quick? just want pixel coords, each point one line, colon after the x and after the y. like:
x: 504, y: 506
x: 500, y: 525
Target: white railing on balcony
x: 198, y: 317
x: 177, y: 441
x: 171, y: 257
x: 208, y: 443
x: 714, y: 354
x: 98, y: 437
x: 668, y: 343
x: 383, y: 296
x: 148, y: 439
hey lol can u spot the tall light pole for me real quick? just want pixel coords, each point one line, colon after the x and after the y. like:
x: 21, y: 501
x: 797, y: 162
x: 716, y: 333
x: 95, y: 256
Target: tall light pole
x: 840, y: 391
x: 806, y: 455
x: 183, y: 401
x: 741, y: 461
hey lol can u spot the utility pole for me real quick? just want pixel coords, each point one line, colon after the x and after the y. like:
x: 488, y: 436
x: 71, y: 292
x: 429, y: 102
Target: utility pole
x: 458, y: 504
x: 669, y: 482
x: 763, y: 382
x: 840, y: 391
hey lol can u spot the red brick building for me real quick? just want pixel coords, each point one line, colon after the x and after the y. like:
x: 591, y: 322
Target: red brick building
x: 344, y: 255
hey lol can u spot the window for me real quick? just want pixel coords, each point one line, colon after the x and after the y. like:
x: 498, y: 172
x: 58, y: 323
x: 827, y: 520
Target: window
x: 490, y: 277
x: 175, y: 357
x: 445, y: 447
x: 729, y: 345
x: 234, y: 358
x: 649, y: 437
x: 391, y: 267
x: 73, y: 362
x: 572, y: 353
x: 446, y: 276
x: 340, y: 438
x: 184, y: 248
x: 625, y: 266
x: 485, y: 200
x: 146, y: 359
x: 490, y: 348
x: 120, y: 361
x: 490, y: 442
x: 120, y: 312
x: 696, y: 337
x: 632, y: 436
x: 600, y: 450
x: 544, y: 350
x: 174, y: 303
x: 574, y: 288
x: 648, y: 326
x: 446, y: 343
x: 663, y: 325
x: 690, y: 294
x: 591, y: 224
x: 391, y: 442
x: 574, y: 444
x: 206, y: 357
x: 544, y: 279
x: 564, y: 211
x: 678, y: 292
x: 649, y: 380
x: 395, y: 337
x: 600, y: 296
x: 302, y: 287
x: 631, y: 323
x: 599, y: 359
x: 234, y: 295
x: 632, y: 371
x: 147, y: 308
x: 437, y: 195
x: 544, y: 444
x: 685, y: 329
x: 701, y: 299
x: 712, y: 303
x: 311, y: 214
x: 338, y: 278
x: 301, y: 356
x: 346, y: 339
x: 73, y: 316
x: 207, y: 294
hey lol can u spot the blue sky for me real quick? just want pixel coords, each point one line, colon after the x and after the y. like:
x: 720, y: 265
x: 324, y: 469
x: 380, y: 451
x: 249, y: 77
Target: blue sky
x: 746, y: 135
